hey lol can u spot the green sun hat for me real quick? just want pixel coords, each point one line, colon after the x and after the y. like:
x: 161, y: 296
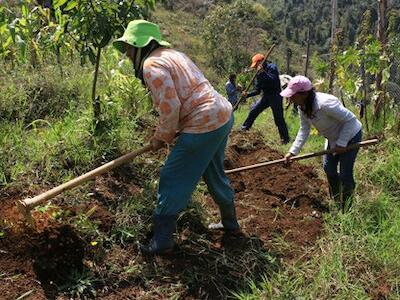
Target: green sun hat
x: 138, y: 34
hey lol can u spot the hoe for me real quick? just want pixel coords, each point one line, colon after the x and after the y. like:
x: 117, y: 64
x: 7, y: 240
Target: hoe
x: 25, y: 206
x: 304, y: 156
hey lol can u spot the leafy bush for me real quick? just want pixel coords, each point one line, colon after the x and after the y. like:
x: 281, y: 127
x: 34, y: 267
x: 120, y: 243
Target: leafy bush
x: 28, y: 96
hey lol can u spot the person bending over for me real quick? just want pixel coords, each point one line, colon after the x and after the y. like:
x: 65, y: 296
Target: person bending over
x: 337, y: 124
x: 188, y: 105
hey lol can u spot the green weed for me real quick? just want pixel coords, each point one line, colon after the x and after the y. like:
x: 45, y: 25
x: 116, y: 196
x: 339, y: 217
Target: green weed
x: 80, y: 284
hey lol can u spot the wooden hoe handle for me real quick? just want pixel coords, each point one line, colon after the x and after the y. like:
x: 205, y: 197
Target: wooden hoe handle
x: 304, y: 156
x: 254, y: 77
x: 26, y: 205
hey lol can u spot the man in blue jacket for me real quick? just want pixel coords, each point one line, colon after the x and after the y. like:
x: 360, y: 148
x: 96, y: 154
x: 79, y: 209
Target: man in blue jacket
x: 267, y: 81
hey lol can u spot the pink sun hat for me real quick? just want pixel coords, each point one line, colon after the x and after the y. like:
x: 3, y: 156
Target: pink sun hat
x: 297, y: 84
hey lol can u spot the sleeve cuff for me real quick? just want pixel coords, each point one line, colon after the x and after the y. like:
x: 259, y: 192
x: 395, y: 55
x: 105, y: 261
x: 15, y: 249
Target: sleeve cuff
x: 166, y: 137
x: 341, y: 143
x: 294, y: 150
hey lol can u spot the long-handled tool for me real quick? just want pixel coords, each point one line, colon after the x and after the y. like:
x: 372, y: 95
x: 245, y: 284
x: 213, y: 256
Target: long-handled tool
x: 25, y: 206
x: 304, y: 156
x: 252, y: 79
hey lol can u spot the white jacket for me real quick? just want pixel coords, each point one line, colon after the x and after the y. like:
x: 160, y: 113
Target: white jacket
x: 332, y: 120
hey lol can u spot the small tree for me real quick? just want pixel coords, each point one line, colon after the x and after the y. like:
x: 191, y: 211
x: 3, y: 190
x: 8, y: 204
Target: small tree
x: 93, y: 23
x: 372, y: 60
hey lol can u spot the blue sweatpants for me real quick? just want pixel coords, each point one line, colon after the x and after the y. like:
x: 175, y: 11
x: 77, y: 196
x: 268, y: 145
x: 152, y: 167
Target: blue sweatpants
x: 346, y: 162
x: 194, y: 156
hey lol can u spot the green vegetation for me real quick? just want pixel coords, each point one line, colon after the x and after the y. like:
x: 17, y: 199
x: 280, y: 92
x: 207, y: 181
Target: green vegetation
x: 355, y: 258
x: 47, y: 136
x: 229, y: 29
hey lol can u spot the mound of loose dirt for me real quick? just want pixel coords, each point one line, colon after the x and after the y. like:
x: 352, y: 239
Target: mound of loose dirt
x: 279, y: 209
x: 275, y: 200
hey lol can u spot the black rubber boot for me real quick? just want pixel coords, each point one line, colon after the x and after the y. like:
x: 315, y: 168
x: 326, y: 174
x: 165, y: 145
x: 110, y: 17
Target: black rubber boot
x: 335, y: 191
x: 162, y: 241
x: 347, y: 198
x: 228, y: 219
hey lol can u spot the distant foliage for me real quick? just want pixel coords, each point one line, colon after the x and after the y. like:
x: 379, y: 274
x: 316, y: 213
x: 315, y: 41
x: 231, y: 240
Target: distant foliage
x: 394, y: 45
x: 295, y: 16
x: 227, y: 33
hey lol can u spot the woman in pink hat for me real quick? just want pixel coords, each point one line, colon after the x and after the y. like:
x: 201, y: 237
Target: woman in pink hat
x: 337, y: 124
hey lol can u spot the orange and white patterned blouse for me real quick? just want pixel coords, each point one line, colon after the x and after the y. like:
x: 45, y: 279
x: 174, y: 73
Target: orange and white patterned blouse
x: 184, y: 98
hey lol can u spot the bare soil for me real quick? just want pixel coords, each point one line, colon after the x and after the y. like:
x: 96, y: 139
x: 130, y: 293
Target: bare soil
x: 279, y: 209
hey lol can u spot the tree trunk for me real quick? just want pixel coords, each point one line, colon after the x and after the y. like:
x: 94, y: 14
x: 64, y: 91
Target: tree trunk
x: 384, y: 107
x: 334, y: 13
x: 342, y: 97
x: 334, y: 19
x: 381, y: 36
x: 288, y: 58
x: 96, y: 100
x: 58, y: 57
x: 398, y: 122
x: 334, y: 52
x: 308, y: 52
x: 364, y: 110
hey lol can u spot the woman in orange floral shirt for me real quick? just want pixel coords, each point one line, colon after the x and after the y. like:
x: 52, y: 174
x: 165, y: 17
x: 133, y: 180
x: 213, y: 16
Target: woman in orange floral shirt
x: 188, y: 105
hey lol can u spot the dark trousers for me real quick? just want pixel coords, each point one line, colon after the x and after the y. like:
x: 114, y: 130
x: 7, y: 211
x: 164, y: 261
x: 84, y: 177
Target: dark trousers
x: 275, y: 102
x: 346, y: 165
